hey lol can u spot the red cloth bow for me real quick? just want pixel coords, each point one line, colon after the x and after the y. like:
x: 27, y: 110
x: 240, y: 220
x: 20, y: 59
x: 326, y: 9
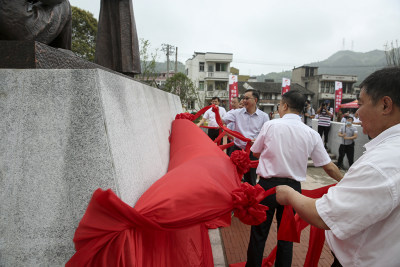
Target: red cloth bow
x: 186, y: 116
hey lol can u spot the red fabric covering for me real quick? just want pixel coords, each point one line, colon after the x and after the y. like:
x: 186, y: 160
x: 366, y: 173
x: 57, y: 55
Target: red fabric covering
x: 168, y: 225
x: 290, y: 230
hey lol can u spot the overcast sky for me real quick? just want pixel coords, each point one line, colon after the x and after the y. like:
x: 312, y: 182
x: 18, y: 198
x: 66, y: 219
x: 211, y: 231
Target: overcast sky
x: 264, y: 35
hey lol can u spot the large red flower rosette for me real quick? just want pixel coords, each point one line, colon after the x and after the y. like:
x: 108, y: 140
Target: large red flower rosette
x: 242, y: 161
x: 246, y: 205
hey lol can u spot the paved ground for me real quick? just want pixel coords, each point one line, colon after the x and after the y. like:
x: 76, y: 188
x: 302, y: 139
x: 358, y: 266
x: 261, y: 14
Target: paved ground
x: 236, y: 237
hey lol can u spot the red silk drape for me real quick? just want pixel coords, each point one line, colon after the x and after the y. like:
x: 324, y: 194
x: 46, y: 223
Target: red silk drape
x: 169, y: 224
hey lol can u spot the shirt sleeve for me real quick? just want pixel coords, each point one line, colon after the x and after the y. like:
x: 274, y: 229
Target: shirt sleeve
x: 223, y: 112
x: 258, y: 144
x: 362, y: 198
x: 319, y: 155
x: 229, y: 117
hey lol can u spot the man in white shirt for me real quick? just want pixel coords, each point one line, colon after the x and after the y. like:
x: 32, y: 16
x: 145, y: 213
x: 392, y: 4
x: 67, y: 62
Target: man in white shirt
x: 362, y: 212
x: 283, y: 147
x: 248, y: 121
x: 210, y: 116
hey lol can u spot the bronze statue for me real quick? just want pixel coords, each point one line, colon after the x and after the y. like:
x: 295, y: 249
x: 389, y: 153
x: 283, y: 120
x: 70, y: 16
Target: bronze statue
x: 45, y: 21
x: 117, y: 46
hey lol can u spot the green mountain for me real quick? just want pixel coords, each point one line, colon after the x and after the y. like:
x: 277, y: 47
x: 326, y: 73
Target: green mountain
x: 344, y: 62
x: 162, y: 66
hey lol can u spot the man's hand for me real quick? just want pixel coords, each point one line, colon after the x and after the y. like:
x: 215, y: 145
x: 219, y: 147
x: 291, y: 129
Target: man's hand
x: 282, y: 194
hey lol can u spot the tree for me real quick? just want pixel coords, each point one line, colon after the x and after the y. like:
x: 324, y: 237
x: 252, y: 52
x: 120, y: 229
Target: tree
x: 181, y: 85
x: 392, y: 53
x: 148, y: 63
x: 84, y: 30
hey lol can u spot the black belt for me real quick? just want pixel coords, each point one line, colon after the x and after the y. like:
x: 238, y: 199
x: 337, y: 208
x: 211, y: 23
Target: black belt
x: 280, y: 179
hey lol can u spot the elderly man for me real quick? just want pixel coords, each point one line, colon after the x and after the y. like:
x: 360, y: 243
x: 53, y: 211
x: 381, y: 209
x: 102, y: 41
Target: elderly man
x: 362, y: 212
x: 248, y: 121
x: 284, y: 146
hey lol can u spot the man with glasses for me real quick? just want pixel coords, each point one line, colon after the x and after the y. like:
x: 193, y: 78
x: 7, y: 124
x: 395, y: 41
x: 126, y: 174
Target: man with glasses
x: 248, y: 121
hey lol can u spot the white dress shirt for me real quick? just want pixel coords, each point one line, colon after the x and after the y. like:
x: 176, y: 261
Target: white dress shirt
x: 363, y: 210
x: 210, y: 116
x: 285, y: 145
x: 249, y: 125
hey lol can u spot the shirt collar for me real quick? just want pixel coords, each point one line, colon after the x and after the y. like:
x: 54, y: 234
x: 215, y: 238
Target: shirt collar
x: 392, y: 131
x: 255, y: 113
x: 291, y: 116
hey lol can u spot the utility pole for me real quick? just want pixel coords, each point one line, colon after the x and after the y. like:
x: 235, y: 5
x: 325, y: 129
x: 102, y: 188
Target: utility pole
x: 168, y: 50
x: 176, y: 60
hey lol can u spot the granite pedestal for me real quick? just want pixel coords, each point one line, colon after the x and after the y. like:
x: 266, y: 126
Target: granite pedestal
x: 63, y: 134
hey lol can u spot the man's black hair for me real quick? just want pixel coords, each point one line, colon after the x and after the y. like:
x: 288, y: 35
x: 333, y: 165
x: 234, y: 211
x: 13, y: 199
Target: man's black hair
x: 254, y: 93
x: 383, y: 82
x: 216, y: 98
x: 295, y: 100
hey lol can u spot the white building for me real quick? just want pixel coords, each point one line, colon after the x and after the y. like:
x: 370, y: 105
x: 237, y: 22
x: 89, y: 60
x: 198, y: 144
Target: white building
x: 210, y: 74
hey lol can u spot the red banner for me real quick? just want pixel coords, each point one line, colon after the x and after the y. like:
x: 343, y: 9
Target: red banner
x: 233, y: 88
x: 285, y: 85
x: 338, y: 95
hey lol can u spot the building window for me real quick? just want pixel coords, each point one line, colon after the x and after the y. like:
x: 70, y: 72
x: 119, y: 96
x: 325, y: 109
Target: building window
x: 190, y: 104
x: 201, y: 66
x: 210, y: 68
x: 221, y: 66
x: 201, y: 86
x: 210, y: 87
x: 221, y: 85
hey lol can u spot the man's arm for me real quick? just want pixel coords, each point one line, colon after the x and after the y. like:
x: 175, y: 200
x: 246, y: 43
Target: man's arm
x: 201, y: 122
x: 340, y: 133
x: 333, y: 171
x: 351, y: 137
x: 304, y: 206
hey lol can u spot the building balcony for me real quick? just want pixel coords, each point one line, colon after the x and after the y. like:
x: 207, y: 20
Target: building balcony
x: 217, y: 75
x: 268, y: 102
x: 223, y: 94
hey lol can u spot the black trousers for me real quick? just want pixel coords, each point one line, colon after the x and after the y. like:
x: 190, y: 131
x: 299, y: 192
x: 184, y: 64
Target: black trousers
x: 213, y: 133
x: 250, y: 176
x: 335, y: 262
x: 259, y: 233
x: 324, y: 130
x: 347, y: 150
